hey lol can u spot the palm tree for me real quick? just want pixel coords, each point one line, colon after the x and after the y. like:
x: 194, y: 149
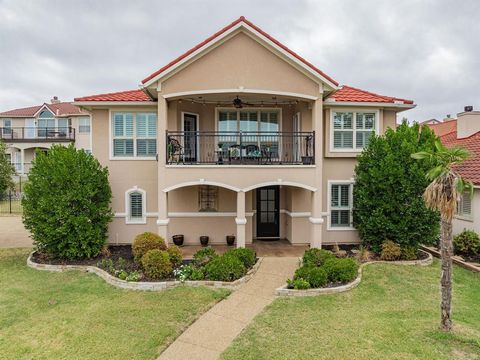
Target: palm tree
x: 442, y: 194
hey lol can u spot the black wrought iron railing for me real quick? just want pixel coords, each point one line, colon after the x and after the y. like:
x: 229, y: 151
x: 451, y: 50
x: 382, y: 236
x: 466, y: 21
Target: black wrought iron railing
x: 17, y: 134
x: 240, y: 148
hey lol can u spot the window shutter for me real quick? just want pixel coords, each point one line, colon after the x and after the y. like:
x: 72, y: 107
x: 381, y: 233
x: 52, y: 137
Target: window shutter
x: 118, y: 125
x: 466, y: 204
x: 136, y: 205
x: 141, y: 125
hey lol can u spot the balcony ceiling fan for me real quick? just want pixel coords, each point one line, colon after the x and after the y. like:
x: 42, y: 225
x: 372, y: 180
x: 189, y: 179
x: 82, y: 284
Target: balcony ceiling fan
x: 238, y: 103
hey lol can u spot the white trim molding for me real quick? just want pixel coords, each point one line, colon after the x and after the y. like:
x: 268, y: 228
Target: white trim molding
x: 241, y: 221
x: 205, y: 214
x: 200, y: 182
x: 128, y: 219
x: 403, y: 106
x: 240, y: 90
x: 315, y: 221
x: 115, y: 103
x: 163, y: 222
x: 280, y: 182
x: 293, y: 214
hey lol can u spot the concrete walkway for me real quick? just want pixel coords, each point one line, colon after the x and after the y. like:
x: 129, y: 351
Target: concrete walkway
x: 13, y: 233
x: 214, y: 331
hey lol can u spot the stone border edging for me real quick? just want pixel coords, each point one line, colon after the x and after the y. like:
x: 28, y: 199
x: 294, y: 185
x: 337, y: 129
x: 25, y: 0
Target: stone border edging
x: 284, y: 291
x: 144, y: 285
x: 456, y: 260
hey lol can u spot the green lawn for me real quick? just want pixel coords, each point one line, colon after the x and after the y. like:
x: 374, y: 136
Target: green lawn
x: 74, y: 315
x: 393, y: 314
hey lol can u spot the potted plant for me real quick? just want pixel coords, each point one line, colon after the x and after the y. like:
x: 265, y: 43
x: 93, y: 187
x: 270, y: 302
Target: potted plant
x: 230, y: 240
x: 307, y: 160
x: 204, y: 240
x: 178, y: 239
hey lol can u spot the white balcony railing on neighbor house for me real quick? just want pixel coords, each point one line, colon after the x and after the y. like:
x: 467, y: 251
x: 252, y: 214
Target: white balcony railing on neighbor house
x: 19, y: 169
x: 37, y: 134
x: 240, y: 148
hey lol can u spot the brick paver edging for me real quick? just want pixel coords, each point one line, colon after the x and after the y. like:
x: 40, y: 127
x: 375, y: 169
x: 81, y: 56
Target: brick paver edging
x: 284, y: 291
x: 144, y: 285
x: 456, y: 259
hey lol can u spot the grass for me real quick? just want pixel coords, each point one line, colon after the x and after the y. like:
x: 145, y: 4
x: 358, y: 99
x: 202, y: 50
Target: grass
x: 75, y: 315
x: 393, y: 314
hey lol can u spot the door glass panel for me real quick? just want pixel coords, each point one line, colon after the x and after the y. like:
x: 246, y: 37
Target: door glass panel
x: 263, y: 217
x: 263, y: 206
x: 271, y: 194
x: 271, y: 217
x: 271, y: 206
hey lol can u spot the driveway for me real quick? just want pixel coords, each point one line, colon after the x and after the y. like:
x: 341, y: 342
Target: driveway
x: 12, y: 233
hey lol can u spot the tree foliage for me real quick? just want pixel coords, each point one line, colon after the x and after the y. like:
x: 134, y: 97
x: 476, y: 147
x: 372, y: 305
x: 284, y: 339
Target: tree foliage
x: 6, y: 170
x: 67, y: 203
x: 388, y: 202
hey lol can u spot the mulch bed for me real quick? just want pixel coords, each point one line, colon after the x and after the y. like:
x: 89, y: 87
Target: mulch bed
x: 352, y: 251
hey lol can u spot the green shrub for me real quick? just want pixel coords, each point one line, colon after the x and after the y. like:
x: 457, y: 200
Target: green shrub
x: 467, y: 243
x: 388, y: 189
x: 175, y: 255
x: 66, y: 203
x: 134, y: 276
x: 247, y: 256
x: 409, y: 253
x: 317, y: 277
x: 121, y: 274
x: 225, y: 268
x: 6, y: 170
x: 316, y: 257
x: 298, y: 284
x: 156, y: 264
x: 189, y: 272
x: 204, y: 256
x: 390, y: 251
x: 341, y: 270
x: 303, y: 272
x: 145, y: 242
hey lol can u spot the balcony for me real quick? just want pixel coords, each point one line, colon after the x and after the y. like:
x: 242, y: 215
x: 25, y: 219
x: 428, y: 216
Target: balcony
x: 240, y: 148
x: 36, y: 134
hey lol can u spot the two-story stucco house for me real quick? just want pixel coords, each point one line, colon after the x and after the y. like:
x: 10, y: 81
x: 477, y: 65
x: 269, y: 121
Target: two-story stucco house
x: 238, y: 136
x: 39, y: 127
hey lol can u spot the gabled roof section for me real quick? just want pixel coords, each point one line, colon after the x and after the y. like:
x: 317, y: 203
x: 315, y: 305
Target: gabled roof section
x: 58, y: 109
x: 469, y: 169
x: 246, y: 24
x: 128, y: 95
x: 351, y: 94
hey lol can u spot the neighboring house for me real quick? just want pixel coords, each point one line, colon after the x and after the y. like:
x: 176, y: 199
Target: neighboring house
x: 430, y: 122
x: 465, y: 132
x: 38, y: 127
x: 239, y: 135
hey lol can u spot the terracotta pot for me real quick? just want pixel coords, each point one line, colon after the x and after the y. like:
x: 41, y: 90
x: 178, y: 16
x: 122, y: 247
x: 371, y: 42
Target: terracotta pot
x: 230, y: 240
x: 178, y: 240
x: 204, y: 240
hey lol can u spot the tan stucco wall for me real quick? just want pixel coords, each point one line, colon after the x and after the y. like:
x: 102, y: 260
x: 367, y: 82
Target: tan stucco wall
x: 121, y: 233
x: 240, y: 61
x: 468, y: 123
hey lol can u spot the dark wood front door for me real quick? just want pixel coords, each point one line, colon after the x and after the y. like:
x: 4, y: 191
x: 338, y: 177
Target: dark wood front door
x: 268, y: 224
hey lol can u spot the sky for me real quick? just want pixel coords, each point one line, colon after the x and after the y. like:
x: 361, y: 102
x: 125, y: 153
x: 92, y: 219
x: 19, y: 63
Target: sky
x: 425, y: 50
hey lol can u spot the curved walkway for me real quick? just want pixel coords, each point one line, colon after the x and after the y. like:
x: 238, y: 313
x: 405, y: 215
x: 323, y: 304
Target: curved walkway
x: 12, y: 232
x: 213, y: 332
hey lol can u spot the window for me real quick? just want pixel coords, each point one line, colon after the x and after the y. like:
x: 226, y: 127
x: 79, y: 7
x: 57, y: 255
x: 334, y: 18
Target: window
x: 341, y: 205
x: 46, y: 124
x: 84, y: 125
x: 7, y: 127
x: 464, y: 206
x: 207, y: 198
x: 134, y: 135
x: 136, y: 207
x: 352, y: 130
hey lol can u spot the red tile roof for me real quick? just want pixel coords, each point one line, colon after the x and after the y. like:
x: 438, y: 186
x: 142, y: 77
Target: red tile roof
x: 129, y: 95
x: 228, y: 27
x: 351, y: 94
x: 443, y: 128
x: 58, y: 109
x: 470, y: 169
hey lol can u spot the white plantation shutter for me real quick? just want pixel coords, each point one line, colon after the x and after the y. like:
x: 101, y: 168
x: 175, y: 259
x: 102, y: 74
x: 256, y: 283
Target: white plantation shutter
x: 136, y: 206
x: 350, y: 134
x: 464, y: 206
x: 134, y: 134
x: 340, y: 205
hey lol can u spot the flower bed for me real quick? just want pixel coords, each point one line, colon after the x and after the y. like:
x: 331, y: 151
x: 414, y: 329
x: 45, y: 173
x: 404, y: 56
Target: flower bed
x: 348, y: 275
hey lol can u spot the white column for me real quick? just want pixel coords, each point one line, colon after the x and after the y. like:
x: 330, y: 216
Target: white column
x: 241, y: 220
x: 163, y: 220
x: 22, y: 161
x: 316, y: 219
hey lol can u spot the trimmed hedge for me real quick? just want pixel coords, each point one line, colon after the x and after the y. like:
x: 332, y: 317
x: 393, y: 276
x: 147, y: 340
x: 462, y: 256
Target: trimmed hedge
x: 156, y: 264
x: 225, y: 268
x: 145, y: 242
x: 203, y: 256
x: 341, y: 270
x: 247, y: 256
x: 175, y: 255
x: 467, y: 243
x: 316, y: 257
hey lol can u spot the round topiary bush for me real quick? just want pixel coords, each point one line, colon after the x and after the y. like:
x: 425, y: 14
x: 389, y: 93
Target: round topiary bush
x: 175, y: 255
x: 66, y: 203
x: 156, y: 264
x: 225, y: 268
x: 145, y: 242
x: 247, y: 256
x: 316, y: 257
x: 203, y: 256
x: 341, y: 270
x: 467, y: 243
x: 303, y: 272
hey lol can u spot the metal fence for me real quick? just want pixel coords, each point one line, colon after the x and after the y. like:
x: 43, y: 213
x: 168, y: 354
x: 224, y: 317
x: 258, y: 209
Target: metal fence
x: 11, y: 201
